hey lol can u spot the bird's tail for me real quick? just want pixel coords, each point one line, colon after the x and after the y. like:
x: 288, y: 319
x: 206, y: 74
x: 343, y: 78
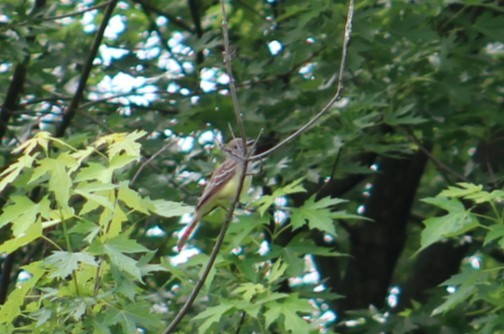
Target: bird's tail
x: 187, y: 233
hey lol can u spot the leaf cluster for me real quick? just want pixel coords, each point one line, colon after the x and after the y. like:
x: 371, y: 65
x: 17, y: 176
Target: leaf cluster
x: 73, y: 203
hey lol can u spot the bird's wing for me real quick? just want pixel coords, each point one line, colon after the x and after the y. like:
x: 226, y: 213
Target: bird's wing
x: 219, y: 178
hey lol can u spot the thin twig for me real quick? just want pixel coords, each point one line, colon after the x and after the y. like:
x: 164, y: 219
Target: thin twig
x: 232, y: 84
x: 220, y: 239
x: 439, y: 164
x: 148, y: 161
x: 74, y: 104
x: 232, y: 87
x: 131, y: 93
x: 336, y: 97
x: 62, y: 16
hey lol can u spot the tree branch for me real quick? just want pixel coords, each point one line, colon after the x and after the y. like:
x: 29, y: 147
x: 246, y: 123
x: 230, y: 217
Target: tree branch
x: 220, y: 239
x: 18, y: 79
x: 74, y: 103
x: 239, y: 120
x: 441, y: 166
x: 62, y: 16
x: 149, y: 160
x: 336, y: 97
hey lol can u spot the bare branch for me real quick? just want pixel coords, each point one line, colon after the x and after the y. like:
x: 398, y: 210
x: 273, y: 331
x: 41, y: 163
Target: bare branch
x: 18, y: 79
x: 62, y: 16
x: 239, y: 120
x: 74, y: 104
x: 220, y: 239
x: 438, y: 163
x: 149, y: 160
x: 336, y: 97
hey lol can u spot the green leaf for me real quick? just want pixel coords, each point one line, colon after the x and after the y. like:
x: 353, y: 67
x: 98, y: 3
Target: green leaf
x: 295, y: 262
x: 60, y: 182
x: 472, y: 192
x: 462, y: 190
x: 112, y: 221
x: 169, y: 209
x: 145, y: 267
x: 66, y: 262
x: 33, y: 233
x: 12, y: 307
x: 317, y: 215
x: 120, y: 161
x: 81, y: 155
x: 41, y: 139
x: 466, y: 285
x: 456, y: 222
x: 95, y: 172
x: 213, y: 314
x: 249, y: 290
x: 123, y: 244
x: 403, y: 116
x: 302, y: 245
x: 241, y: 231
x: 22, y: 213
x: 122, y: 144
x: 115, y: 249
x: 97, y: 195
x: 12, y: 172
x: 496, y: 232
x: 131, y: 316
x: 286, y: 312
x: 123, y: 262
x: 277, y: 270
x: 133, y: 199
x: 268, y: 200
x: 123, y: 284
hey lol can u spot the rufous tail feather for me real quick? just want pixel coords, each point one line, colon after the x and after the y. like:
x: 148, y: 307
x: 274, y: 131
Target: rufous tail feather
x: 187, y: 233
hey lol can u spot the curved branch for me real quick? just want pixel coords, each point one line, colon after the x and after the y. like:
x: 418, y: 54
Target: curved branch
x: 149, y: 160
x: 336, y: 97
x: 74, y: 104
x: 220, y: 239
x: 441, y: 166
x: 18, y: 79
x: 246, y: 155
x: 62, y: 16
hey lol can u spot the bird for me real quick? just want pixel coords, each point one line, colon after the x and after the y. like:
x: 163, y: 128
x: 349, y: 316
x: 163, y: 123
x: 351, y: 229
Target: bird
x: 223, y: 184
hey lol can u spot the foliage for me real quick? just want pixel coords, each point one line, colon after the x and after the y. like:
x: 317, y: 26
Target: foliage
x: 385, y: 216
x: 92, y: 273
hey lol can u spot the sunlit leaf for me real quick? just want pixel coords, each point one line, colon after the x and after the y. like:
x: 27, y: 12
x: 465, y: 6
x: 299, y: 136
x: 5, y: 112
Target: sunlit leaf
x: 317, y: 215
x: 169, y: 209
x: 289, y: 310
x: 12, y: 308
x: 266, y: 201
x: 66, y: 262
x: 457, y: 221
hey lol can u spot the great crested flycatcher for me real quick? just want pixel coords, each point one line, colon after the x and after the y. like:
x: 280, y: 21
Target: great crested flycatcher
x: 222, y: 185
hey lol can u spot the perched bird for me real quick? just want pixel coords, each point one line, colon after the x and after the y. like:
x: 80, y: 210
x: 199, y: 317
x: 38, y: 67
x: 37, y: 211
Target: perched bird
x: 222, y: 186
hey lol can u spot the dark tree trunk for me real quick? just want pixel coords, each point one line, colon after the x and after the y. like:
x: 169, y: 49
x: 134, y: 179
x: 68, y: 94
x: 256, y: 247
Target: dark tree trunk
x: 376, y: 246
